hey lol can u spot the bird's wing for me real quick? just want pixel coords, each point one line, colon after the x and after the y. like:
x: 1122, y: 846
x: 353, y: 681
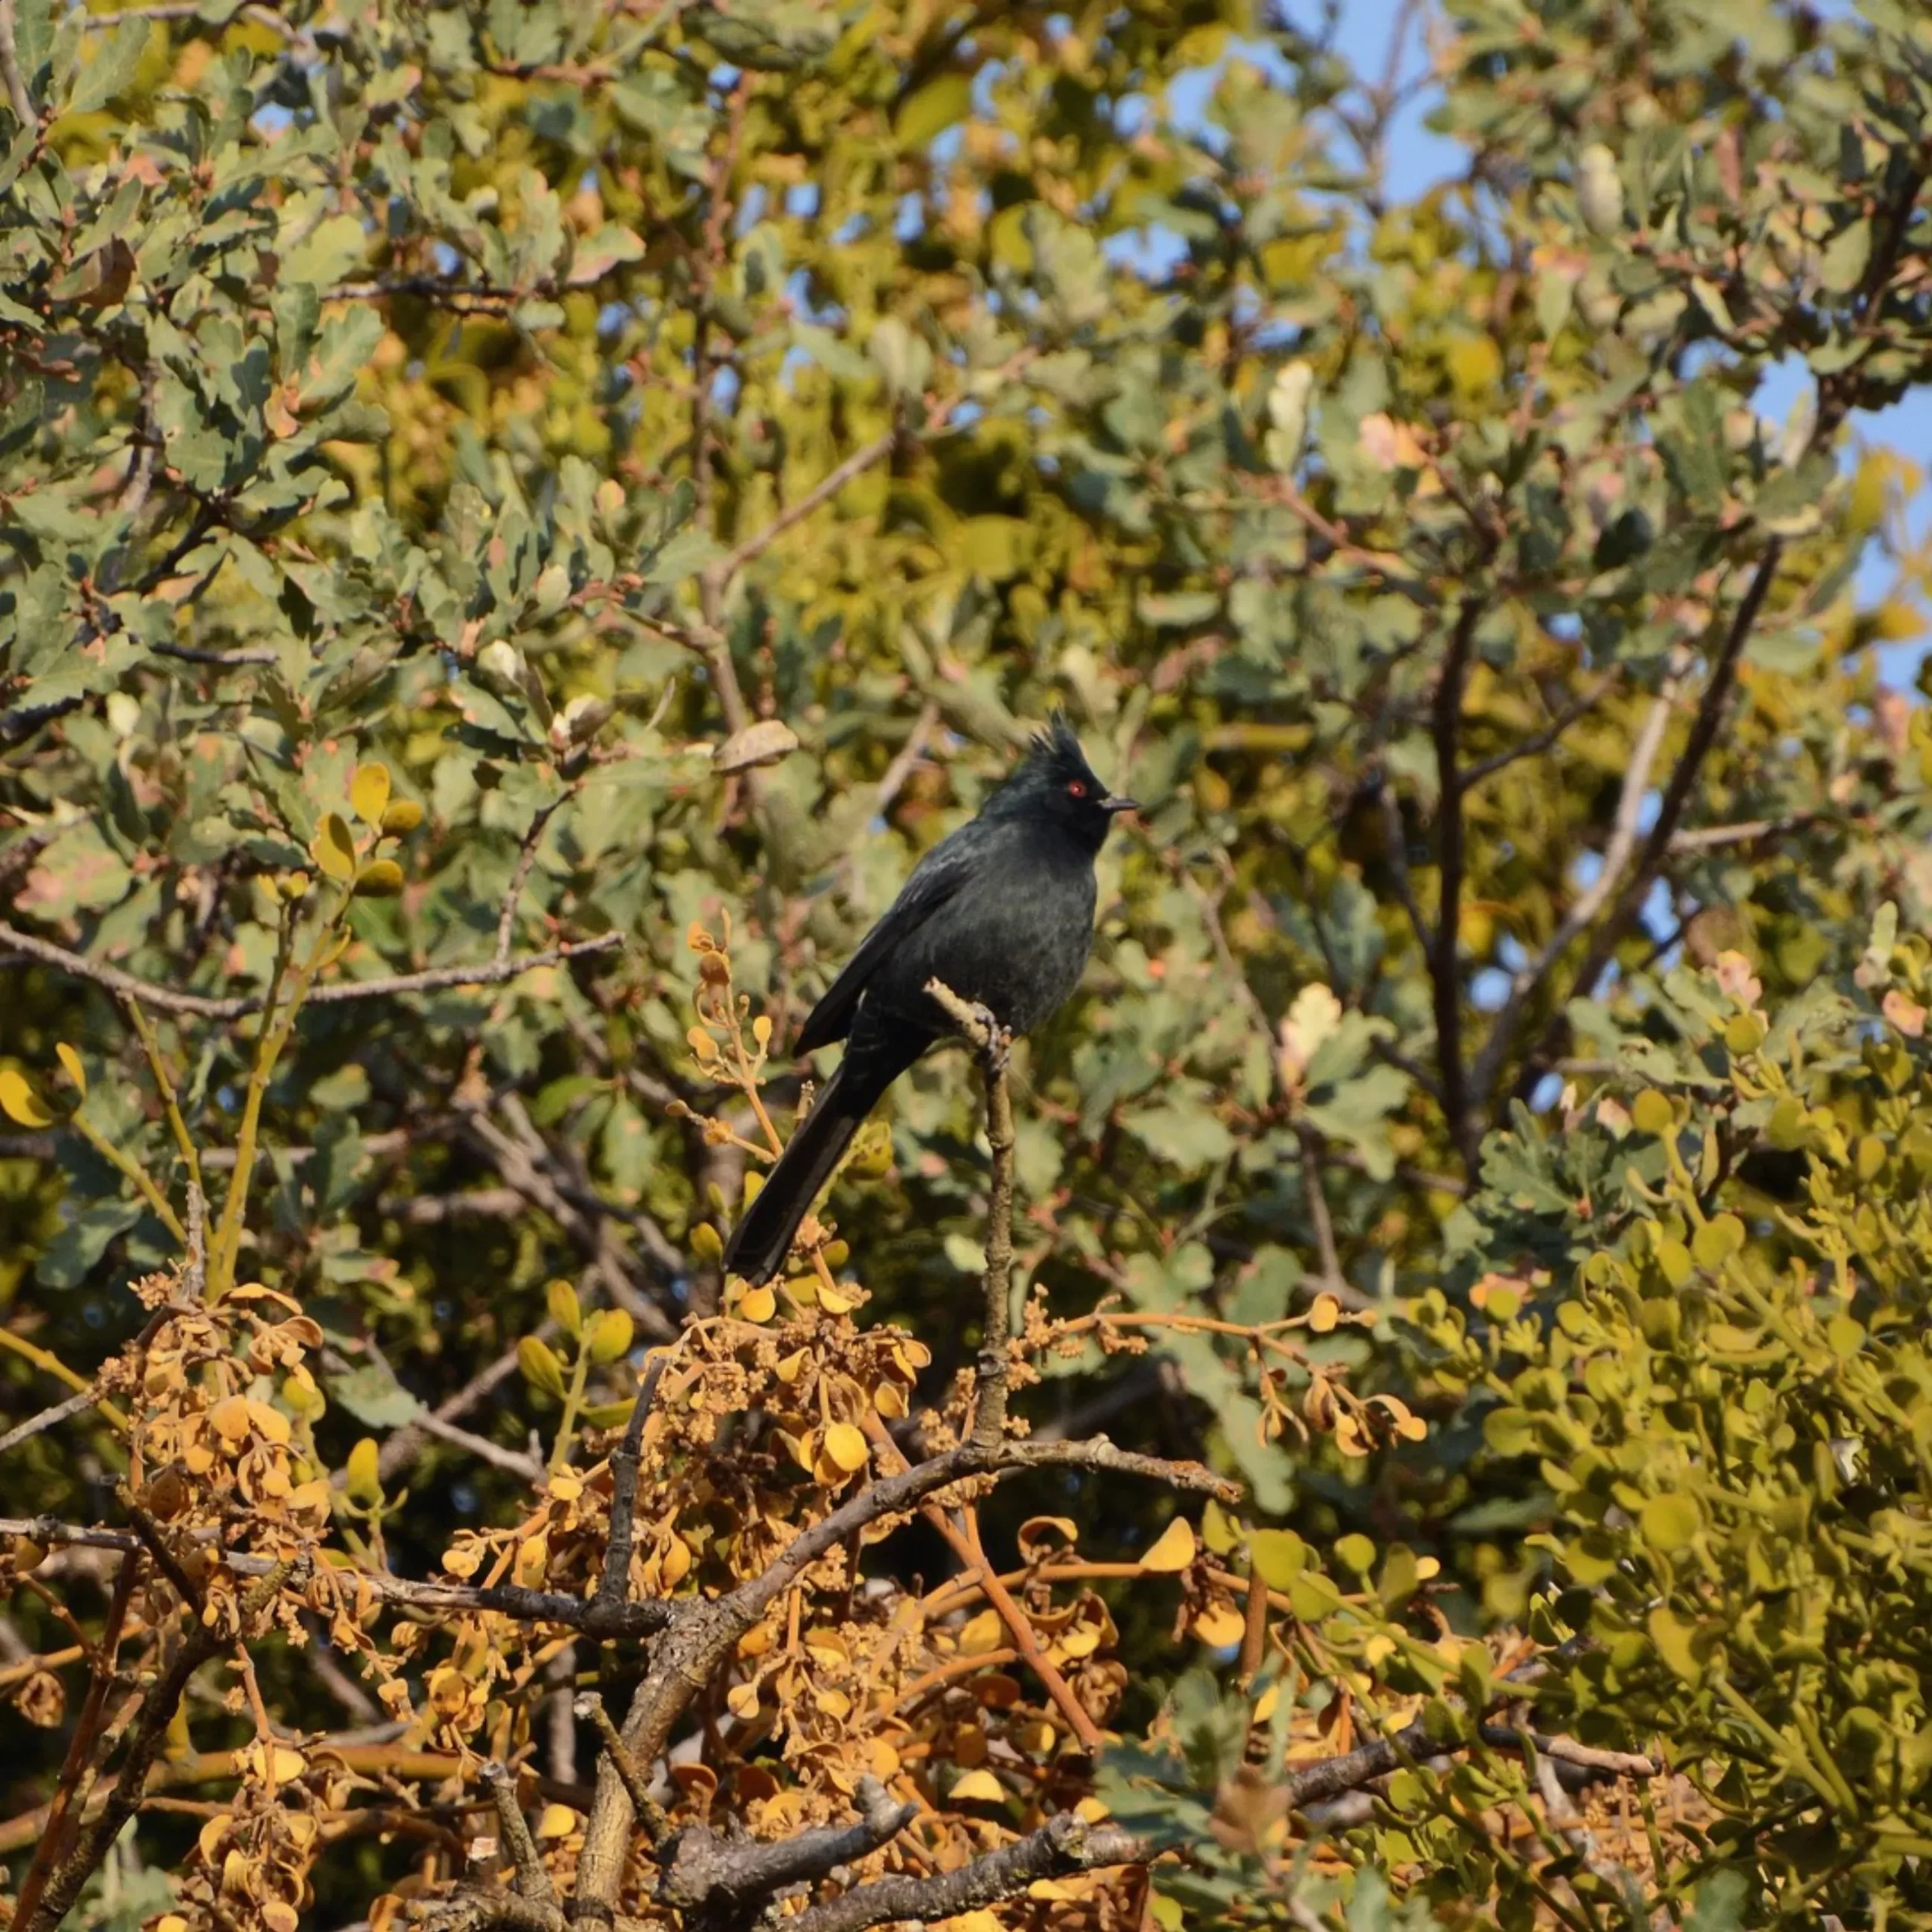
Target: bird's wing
x: 936, y: 878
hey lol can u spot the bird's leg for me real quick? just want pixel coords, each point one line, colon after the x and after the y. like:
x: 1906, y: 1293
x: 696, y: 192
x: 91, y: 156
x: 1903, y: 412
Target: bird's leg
x: 997, y: 1041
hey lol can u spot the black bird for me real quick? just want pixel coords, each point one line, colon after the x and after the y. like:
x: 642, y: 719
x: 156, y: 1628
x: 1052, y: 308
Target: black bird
x: 1002, y: 911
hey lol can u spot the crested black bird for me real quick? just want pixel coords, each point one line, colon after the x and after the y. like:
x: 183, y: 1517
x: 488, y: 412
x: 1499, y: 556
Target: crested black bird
x: 1002, y: 911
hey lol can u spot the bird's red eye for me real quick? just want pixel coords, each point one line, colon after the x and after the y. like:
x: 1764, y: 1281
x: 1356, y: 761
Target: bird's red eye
x: 1076, y: 788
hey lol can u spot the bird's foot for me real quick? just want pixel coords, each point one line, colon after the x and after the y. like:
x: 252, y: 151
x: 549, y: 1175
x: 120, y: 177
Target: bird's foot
x: 996, y: 1041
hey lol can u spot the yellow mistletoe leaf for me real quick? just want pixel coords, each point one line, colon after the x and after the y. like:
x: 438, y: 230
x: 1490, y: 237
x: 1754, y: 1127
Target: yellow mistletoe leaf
x: 71, y: 1061
x: 839, y: 1298
x: 1173, y: 1550
x: 230, y: 1418
x: 19, y: 1103
x: 978, y: 1788
x: 742, y: 1701
x: 758, y: 1304
x: 1218, y: 1626
x: 846, y: 1446
x: 981, y: 1634
x: 369, y: 792
x: 559, y: 1821
x: 1322, y: 1313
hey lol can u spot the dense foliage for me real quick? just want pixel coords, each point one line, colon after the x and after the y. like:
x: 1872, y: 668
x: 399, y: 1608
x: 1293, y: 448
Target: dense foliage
x: 518, y: 523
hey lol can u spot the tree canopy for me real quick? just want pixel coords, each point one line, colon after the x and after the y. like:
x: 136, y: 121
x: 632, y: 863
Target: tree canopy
x: 1412, y: 1402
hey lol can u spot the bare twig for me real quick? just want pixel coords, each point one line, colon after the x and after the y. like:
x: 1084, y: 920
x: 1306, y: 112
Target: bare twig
x: 1445, y: 955
x: 650, y: 1813
x: 1538, y: 742
x: 165, y: 999
x: 536, y: 1607
x: 1616, y: 855
x: 613, y: 1586
x: 727, y: 567
x: 47, y: 1418
x: 18, y: 98
x: 989, y: 1409
x: 532, y: 1882
x: 1704, y: 728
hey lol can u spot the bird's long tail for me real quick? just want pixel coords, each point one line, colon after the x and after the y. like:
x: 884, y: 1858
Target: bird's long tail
x: 761, y: 1241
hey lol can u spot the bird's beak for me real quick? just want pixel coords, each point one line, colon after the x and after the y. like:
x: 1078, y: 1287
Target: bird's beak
x: 1112, y: 804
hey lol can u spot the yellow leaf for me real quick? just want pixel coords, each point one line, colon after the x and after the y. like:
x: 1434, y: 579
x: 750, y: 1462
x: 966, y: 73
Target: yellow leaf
x: 742, y: 1701
x: 364, y: 1483
x: 1218, y: 1626
x: 369, y: 792
x: 701, y: 1043
x: 381, y: 878
x: 609, y: 1335
x: 71, y: 1061
x: 839, y: 1298
x: 758, y: 1304
x: 566, y: 1311
x: 1174, y: 1549
x: 978, y: 1788
x: 1322, y: 1313
x: 981, y: 1634
x: 559, y: 1821
x: 19, y: 1103
x: 230, y: 1418
x: 846, y: 1446
x: 333, y: 849
x: 541, y: 1368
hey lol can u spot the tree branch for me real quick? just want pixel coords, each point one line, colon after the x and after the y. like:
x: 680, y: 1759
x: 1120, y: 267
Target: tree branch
x: 532, y: 1882
x: 1616, y: 855
x: 703, y: 1869
x: 1063, y: 1845
x: 989, y: 1409
x: 1704, y: 729
x: 1444, y: 961
x: 727, y: 567
x: 165, y: 999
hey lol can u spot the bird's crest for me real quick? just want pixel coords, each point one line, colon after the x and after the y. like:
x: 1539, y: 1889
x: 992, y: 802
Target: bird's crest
x: 1057, y: 749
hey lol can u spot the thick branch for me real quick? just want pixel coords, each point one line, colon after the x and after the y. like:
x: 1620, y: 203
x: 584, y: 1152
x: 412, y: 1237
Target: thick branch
x: 705, y: 1870
x: 165, y: 999
x: 1063, y: 1844
x: 689, y: 1655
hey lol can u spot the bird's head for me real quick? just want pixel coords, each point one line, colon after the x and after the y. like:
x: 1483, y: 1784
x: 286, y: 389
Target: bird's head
x: 1054, y: 781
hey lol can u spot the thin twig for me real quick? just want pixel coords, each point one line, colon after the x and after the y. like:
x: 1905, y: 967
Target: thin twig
x: 613, y: 1586
x: 856, y: 464
x: 1540, y: 741
x: 48, y: 1419
x: 532, y: 1882
x: 989, y: 1408
x: 650, y: 1814
x: 1445, y: 955
x: 204, y: 1006
x: 1617, y: 853
x: 18, y: 98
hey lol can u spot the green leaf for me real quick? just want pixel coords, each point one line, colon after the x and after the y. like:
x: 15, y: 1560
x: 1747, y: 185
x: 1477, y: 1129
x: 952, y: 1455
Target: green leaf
x: 116, y: 60
x: 932, y: 109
